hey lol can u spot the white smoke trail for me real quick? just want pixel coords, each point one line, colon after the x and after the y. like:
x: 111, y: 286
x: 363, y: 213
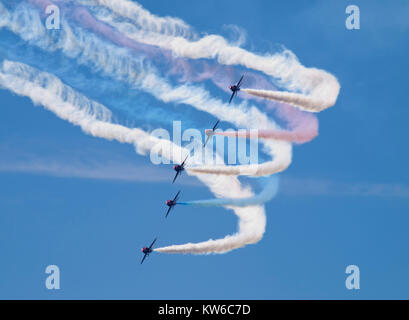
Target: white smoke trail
x: 83, y: 49
x: 314, y: 84
x: 47, y: 90
x: 90, y: 50
x: 298, y: 100
x: 323, y: 88
x: 280, y: 162
x: 252, y: 229
x: 143, y: 19
x: 319, y: 88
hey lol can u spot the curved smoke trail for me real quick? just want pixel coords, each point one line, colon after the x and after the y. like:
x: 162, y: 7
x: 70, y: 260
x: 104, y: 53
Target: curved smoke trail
x: 171, y: 41
x: 47, y: 90
x: 90, y: 50
x: 320, y: 89
x: 215, y: 73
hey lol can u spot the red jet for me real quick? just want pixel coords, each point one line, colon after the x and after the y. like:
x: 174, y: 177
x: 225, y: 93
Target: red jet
x: 172, y: 203
x: 147, y: 250
x: 179, y: 168
x: 235, y: 88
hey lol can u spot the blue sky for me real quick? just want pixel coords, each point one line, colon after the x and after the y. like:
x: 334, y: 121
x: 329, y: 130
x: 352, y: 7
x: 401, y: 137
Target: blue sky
x: 59, y: 202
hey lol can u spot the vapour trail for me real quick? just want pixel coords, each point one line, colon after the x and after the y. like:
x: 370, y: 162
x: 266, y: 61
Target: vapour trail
x: 313, y: 84
x: 251, y: 222
x: 318, y: 87
x: 144, y: 19
x: 302, y: 136
x: 304, y: 129
x: 93, y: 118
x: 321, y: 87
x: 90, y: 50
x: 268, y: 192
x: 300, y: 101
x: 189, y: 72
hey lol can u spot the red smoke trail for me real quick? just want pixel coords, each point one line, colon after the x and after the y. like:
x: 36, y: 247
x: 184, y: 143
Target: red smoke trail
x: 302, y: 127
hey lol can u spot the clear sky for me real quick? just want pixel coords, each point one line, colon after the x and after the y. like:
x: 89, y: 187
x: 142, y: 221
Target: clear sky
x: 88, y: 205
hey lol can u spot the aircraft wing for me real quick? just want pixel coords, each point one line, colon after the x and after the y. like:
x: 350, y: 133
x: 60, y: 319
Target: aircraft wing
x: 167, y: 213
x: 153, y: 242
x: 144, y: 257
x: 232, y: 96
x: 207, y: 140
x: 177, y: 174
x: 183, y: 163
x: 239, y: 83
x: 177, y: 196
x: 215, y: 126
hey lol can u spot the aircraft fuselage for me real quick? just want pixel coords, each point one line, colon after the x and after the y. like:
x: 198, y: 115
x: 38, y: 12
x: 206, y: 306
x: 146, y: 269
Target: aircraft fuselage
x: 170, y: 203
x: 234, y: 88
x: 146, y: 250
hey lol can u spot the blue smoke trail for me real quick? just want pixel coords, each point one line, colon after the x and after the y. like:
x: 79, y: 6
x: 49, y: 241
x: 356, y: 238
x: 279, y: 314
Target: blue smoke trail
x: 98, y: 61
x: 136, y: 105
x: 269, y: 192
x: 130, y: 76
